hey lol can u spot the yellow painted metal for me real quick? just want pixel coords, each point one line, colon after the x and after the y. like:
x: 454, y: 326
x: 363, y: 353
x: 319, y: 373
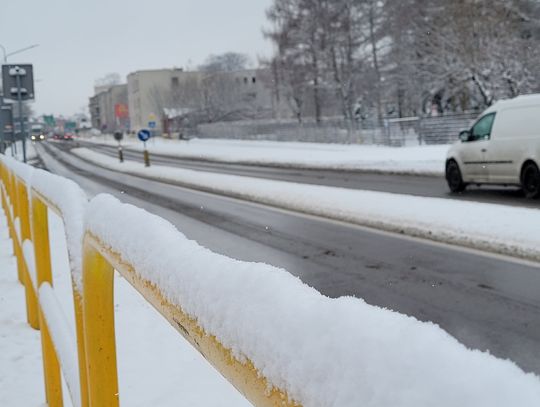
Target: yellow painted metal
x: 53, y: 381
x: 242, y: 374
x: 24, y: 216
x: 99, y: 335
x: 79, y: 325
x: 78, y: 306
x: 15, y: 237
x: 51, y: 367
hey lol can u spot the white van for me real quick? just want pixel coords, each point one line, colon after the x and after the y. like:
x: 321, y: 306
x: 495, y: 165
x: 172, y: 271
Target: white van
x: 502, y: 147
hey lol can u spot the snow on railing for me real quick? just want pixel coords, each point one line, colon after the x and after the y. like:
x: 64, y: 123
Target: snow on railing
x: 278, y: 341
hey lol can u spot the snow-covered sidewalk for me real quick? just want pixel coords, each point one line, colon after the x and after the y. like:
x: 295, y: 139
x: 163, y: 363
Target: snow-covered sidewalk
x: 496, y: 228
x: 423, y: 160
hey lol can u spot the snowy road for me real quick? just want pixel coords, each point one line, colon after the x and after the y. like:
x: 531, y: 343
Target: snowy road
x: 418, y: 185
x: 487, y: 302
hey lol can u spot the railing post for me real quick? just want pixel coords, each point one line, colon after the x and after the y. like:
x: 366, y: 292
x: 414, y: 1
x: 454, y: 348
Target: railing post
x: 31, y: 293
x: 98, y: 311
x: 81, y: 348
x: 51, y: 367
x: 14, y: 196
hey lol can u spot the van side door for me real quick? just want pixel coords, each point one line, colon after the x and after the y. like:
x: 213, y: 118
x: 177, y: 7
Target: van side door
x: 474, y: 154
x: 515, y: 133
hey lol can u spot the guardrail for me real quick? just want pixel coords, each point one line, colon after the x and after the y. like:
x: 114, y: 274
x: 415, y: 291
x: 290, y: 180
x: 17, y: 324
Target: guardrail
x: 91, y: 373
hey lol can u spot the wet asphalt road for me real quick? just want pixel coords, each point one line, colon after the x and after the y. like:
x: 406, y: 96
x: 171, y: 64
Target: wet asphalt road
x: 485, y: 301
x: 418, y: 185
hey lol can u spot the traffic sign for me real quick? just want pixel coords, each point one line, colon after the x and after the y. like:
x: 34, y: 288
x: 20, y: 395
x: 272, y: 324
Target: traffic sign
x: 152, y: 125
x: 18, y: 80
x: 143, y: 135
x: 118, y: 135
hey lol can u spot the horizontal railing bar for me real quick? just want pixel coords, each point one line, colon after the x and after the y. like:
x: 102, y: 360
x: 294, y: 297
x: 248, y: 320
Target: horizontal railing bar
x: 241, y: 374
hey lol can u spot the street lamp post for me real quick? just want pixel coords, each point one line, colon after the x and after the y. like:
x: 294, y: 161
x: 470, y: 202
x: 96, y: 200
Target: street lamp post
x: 6, y: 54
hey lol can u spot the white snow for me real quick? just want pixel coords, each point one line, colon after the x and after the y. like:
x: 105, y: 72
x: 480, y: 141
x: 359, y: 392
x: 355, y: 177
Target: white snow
x: 166, y: 375
x: 30, y: 259
x: 67, y: 196
x: 497, y: 228
x: 426, y: 160
x: 21, y: 383
x: 323, y: 352
x: 63, y: 338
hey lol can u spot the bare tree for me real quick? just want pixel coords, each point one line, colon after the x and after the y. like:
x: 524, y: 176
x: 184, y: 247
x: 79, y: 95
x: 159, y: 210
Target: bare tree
x: 109, y: 79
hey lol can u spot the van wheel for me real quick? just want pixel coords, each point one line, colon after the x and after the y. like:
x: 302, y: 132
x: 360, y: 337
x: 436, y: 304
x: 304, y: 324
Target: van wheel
x: 453, y: 177
x: 530, y: 181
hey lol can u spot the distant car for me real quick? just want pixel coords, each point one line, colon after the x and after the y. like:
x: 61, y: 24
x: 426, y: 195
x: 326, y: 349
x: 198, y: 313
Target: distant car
x: 68, y: 136
x: 37, y: 137
x: 502, y: 147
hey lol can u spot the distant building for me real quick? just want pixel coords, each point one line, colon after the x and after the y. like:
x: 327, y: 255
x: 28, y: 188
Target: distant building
x: 167, y: 99
x: 109, y: 108
x: 149, y: 94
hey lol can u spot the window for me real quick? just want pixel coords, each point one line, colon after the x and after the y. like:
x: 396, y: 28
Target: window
x: 254, y: 80
x: 175, y: 82
x: 482, y: 129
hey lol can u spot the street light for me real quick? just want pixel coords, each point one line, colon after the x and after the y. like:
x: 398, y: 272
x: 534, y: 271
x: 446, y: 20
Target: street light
x: 6, y: 55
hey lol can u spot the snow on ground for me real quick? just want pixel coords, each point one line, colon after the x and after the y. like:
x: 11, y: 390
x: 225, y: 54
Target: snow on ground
x: 426, y: 160
x: 20, y: 348
x: 497, y: 228
x: 31, y: 153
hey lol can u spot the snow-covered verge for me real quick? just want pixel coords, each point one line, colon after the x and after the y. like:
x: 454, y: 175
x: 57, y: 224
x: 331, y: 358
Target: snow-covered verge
x: 423, y: 160
x: 322, y: 351
x: 496, y: 228
x: 20, y: 355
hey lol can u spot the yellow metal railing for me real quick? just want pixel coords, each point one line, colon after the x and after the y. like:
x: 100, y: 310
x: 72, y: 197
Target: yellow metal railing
x: 94, y: 308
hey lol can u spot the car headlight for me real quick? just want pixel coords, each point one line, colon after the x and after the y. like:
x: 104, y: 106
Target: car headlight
x: 42, y: 137
x: 33, y: 137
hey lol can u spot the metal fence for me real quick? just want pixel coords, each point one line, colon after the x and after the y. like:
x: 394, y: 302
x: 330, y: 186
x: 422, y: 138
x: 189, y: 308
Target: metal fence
x: 390, y: 132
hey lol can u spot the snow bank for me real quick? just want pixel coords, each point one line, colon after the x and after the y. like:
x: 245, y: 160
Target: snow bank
x: 68, y: 198
x: 21, y: 371
x: 323, y: 352
x: 497, y: 228
x: 423, y: 160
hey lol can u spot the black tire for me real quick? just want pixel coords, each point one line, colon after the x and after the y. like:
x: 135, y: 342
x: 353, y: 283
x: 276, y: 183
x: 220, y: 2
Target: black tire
x: 530, y: 180
x: 454, y: 178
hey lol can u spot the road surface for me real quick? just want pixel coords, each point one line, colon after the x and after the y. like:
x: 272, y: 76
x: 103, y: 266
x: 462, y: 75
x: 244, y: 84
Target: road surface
x: 418, y: 185
x: 485, y: 301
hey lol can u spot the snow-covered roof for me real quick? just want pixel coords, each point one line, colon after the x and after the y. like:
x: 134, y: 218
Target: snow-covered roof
x: 172, y: 112
x: 522, y: 100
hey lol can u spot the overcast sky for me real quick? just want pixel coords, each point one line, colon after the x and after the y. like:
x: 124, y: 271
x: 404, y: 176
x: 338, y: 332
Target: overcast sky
x: 83, y: 40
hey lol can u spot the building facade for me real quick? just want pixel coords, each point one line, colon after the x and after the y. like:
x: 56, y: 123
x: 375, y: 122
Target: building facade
x: 166, y: 99
x: 109, y: 108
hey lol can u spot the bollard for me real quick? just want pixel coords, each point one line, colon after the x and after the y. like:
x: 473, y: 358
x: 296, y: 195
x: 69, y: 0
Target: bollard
x: 146, y: 158
x: 120, y: 154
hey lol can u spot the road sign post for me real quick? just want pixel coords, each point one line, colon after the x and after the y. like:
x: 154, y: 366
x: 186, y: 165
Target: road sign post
x: 6, y: 127
x: 144, y: 135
